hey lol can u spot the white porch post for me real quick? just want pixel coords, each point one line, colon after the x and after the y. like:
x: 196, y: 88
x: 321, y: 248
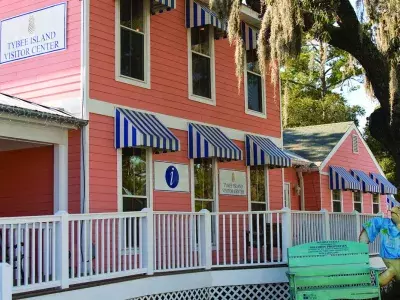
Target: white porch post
x: 147, y: 239
x: 6, y: 281
x: 286, y: 232
x: 61, y: 176
x: 205, y: 236
x: 327, y: 227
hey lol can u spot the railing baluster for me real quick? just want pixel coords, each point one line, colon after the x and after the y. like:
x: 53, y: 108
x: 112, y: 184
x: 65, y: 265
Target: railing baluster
x: 237, y: 240
x: 33, y: 256
x: 85, y: 246
x: 182, y: 243
x: 108, y: 247
x: 40, y: 252
x: 53, y: 251
x: 18, y: 250
x: 47, y: 252
x: 224, y: 238
x: 159, y: 237
x: 97, y: 247
x: 164, y: 247
x: 278, y: 234
x: 258, y: 238
x: 103, y: 254
x: 251, y: 239
x: 244, y: 239
x: 271, y: 237
x: 169, y: 241
x: 265, y: 237
x: 186, y: 241
x: 135, y: 243
x: 130, y: 242
x: 26, y: 253
x: 114, y: 250
x: 230, y: 239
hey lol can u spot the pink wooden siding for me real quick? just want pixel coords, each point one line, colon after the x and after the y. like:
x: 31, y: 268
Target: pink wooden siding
x: 26, y: 182
x: 103, y: 174
x: 291, y: 177
x: 169, y: 75
x: 312, y: 191
x: 54, y: 76
x: 74, y: 171
x: 345, y: 157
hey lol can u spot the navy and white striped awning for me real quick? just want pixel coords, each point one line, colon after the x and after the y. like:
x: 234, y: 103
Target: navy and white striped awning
x: 262, y: 151
x: 368, y: 185
x: 200, y: 15
x: 391, y: 201
x: 137, y: 129
x: 340, y: 179
x: 249, y: 36
x: 386, y: 186
x: 160, y: 6
x: 207, y: 141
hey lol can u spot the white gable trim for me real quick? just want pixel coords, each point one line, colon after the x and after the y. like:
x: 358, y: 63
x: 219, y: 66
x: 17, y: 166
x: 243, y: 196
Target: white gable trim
x: 339, y: 144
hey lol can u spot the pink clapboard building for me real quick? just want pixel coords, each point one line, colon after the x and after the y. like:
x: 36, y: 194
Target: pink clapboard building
x: 156, y: 82
x: 335, y: 171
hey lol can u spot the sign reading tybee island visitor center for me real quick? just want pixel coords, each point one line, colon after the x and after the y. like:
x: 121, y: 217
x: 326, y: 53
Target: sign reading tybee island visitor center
x: 33, y: 33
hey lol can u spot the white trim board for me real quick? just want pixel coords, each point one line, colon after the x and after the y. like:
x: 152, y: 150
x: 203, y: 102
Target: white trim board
x: 33, y: 132
x: 171, y: 283
x: 339, y: 144
x: 107, y: 109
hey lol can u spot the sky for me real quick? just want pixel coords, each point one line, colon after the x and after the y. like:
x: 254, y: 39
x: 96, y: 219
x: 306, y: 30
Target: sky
x: 359, y: 97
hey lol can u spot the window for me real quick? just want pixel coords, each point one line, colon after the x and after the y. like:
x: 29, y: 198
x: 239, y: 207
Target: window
x: 204, y: 188
x: 357, y: 201
x: 132, y: 42
x: 258, y: 192
x: 254, y: 85
x: 375, y: 203
x: 337, y: 201
x: 201, y: 64
x: 134, y: 189
x: 286, y: 195
x: 355, y: 143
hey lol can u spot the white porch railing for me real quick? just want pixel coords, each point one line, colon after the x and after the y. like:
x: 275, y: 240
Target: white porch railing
x: 60, y: 250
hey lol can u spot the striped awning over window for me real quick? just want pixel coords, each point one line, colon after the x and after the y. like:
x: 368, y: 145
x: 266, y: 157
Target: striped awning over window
x: 249, y: 36
x: 136, y: 129
x: 340, y: 179
x: 391, y: 201
x: 160, y: 6
x: 207, y: 141
x: 368, y: 185
x: 385, y: 186
x: 200, y: 15
x: 262, y: 151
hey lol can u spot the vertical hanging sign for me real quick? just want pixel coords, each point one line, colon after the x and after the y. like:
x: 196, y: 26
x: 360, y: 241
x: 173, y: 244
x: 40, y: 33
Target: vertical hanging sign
x: 34, y: 33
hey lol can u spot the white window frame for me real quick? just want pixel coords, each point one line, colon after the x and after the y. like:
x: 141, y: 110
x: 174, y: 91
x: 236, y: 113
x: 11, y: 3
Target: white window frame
x: 146, y: 20
x: 266, y: 182
x: 361, y: 201
x: 149, y: 192
x: 290, y: 195
x: 335, y: 200
x: 149, y: 175
x: 248, y: 111
x: 379, y: 203
x: 192, y: 96
x: 355, y: 144
x: 216, y: 188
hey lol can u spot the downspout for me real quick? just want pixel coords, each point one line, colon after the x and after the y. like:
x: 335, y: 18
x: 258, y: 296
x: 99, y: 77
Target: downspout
x: 84, y: 205
x: 301, y: 181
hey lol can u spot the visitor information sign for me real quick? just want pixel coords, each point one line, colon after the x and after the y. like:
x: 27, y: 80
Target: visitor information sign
x: 34, y: 33
x: 232, y: 182
x: 171, y: 177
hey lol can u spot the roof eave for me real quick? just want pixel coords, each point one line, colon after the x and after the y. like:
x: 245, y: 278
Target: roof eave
x: 43, y: 116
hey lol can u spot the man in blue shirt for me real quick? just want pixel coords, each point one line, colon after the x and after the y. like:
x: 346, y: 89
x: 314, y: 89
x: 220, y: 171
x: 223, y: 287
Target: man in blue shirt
x: 389, y: 230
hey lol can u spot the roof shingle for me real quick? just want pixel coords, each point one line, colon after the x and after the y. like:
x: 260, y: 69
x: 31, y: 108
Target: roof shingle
x: 314, y: 142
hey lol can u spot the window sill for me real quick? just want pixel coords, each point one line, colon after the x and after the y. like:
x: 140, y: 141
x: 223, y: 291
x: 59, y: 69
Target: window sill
x: 256, y: 114
x: 131, y: 81
x: 203, y: 100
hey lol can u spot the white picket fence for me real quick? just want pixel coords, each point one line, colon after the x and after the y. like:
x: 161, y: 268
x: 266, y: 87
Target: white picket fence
x: 61, y: 250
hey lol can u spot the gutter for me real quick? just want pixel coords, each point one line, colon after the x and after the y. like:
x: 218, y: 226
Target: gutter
x: 22, y: 112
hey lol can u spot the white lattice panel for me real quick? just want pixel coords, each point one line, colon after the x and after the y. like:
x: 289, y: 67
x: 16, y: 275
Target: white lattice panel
x: 278, y: 291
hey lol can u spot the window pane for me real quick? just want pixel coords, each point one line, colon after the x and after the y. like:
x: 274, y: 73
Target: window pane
x: 337, y: 207
x: 258, y: 207
x: 203, y: 178
x: 357, y: 206
x: 375, y: 208
x: 257, y: 180
x: 252, y: 61
x: 199, y: 205
x: 336, y: 195
x: 134, y: 172
x: 375, y: 198
x: 357, y: 196
x: 201, y: 75
x: 132, y: 54
x: 131, y: 14
x: 133, y: 204
x: 200, y: 39
x: 254, y: 92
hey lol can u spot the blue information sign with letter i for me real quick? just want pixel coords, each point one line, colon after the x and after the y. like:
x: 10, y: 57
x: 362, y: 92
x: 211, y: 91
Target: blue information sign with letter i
x: 172, y: 177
